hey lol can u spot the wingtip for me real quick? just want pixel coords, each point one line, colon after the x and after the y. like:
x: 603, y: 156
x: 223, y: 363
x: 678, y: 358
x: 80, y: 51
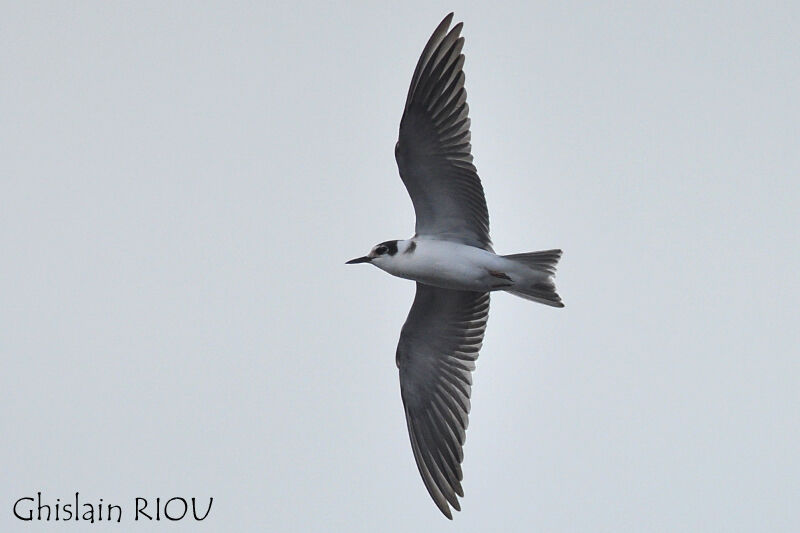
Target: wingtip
x: 445, y: 23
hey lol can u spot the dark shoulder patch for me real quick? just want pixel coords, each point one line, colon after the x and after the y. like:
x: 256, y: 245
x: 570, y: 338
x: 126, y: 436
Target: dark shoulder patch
x: 411, y: 247
x: 391, y: 247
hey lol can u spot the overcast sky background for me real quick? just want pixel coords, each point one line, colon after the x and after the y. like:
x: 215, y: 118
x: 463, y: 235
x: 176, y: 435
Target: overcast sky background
x: 182, y: 183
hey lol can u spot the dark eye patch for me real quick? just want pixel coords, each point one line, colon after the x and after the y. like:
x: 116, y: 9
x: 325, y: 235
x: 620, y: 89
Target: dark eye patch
x: 380, y: 250
x: 388, y: 247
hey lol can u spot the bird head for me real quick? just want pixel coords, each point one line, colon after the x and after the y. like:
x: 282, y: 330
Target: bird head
x: 380, y: 253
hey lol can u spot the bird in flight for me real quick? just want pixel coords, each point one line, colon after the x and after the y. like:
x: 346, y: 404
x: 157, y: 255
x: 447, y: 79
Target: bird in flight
x: 450, y: 258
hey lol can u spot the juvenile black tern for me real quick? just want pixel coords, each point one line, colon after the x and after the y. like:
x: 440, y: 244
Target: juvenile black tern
x: 451, y: 259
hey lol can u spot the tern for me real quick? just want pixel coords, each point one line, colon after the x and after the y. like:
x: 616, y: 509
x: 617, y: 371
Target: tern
x: 450, y: 257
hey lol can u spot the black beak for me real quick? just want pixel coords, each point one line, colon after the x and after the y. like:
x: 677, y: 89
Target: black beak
x: 364, y: 259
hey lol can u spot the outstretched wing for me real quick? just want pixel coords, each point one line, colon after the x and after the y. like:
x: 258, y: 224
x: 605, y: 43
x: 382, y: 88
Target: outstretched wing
x: 436, y: 355
x: 434, y: 152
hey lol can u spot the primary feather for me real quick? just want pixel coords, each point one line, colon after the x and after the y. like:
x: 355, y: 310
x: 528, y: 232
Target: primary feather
x: 434, y: 152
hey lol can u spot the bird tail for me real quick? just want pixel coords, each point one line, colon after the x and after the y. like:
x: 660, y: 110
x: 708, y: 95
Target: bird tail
x: 540, y: 287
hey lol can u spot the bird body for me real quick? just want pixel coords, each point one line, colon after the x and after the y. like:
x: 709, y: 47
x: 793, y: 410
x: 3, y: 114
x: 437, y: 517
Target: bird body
x: 445, y: 264
x: 452, y: 261
x: 452, y: 265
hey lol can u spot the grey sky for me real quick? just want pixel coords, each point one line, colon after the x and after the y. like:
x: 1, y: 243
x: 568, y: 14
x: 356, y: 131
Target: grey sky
x: 181, y: 184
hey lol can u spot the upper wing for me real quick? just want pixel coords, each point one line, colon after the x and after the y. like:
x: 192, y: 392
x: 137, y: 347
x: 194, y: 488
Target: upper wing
x: 433, y: 151
x: 436, y: 354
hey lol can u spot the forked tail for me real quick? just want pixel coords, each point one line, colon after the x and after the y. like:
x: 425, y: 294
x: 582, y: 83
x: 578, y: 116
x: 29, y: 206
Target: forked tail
x: 540, y: 287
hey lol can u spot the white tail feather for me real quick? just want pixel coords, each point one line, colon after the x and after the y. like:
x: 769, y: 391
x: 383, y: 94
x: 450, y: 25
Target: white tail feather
x: 541, y: 288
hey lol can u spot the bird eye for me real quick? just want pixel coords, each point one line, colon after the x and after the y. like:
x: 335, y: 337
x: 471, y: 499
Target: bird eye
x: 380, y: 250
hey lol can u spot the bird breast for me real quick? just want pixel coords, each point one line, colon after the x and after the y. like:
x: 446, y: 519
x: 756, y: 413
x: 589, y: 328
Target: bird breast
x: 445, y: 264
